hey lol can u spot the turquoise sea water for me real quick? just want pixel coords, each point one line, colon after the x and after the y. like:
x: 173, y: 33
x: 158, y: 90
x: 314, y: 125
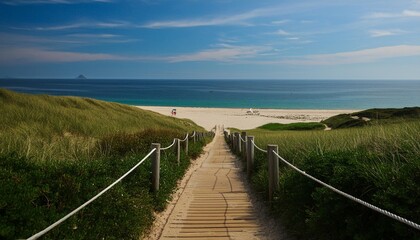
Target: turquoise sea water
x: 287, y: 94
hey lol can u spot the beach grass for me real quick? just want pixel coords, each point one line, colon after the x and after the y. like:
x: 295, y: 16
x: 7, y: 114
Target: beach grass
x: 53, y: 128
x: 293, y: 126
x: 373, y: 117
x: 379, y: 164
x: 57, y: 152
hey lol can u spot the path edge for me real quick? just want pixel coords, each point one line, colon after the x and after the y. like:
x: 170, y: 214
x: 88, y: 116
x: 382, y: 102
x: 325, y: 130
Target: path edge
x: 161, y: 218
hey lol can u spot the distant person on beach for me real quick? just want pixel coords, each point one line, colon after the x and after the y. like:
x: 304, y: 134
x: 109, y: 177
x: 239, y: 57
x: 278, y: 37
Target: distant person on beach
x: 173, y: 112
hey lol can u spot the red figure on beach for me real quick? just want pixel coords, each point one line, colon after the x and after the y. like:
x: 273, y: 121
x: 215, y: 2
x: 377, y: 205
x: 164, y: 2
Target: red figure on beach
x: 173, y: 112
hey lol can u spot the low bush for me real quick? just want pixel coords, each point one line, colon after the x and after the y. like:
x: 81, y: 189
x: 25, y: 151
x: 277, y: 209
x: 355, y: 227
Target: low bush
x: 293, y: 126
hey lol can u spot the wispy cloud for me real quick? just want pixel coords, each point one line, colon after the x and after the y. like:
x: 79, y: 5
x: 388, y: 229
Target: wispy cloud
x: 87, y: 35
x: 280, y: 22
x: 244, y: 18
x: 281, y: 32
x: 384, y: 33
x: 360, y: 56
x: 114, y: 24
x: 238, y: 19
x: 86, y: 38
x: 69, y: 40
x: 223, y: 53
x: 220, y: 53
x: 28, y: 2
x: 405, y: 13
x: 38, y: 55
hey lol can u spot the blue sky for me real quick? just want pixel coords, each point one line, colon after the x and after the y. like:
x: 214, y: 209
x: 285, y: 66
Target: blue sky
x: 220, y: 39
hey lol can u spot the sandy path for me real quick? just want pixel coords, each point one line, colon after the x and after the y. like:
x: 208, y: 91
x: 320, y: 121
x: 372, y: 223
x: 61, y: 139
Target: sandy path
x: 214, y: 203
x: 239, y: 118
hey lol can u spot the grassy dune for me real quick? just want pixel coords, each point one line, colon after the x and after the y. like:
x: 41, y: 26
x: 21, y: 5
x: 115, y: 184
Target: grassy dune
x: 373, y: 117
x: 379, y: 164
x: 57, y: 152
x: 53, y: 128
x: 293, y: 126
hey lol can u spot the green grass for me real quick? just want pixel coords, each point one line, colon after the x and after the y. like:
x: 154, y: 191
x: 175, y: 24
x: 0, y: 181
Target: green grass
x: 293, y: 126
x: 53, y: 128
x: 58, y: 152
x: 379, y: 164
x: 373, y: 116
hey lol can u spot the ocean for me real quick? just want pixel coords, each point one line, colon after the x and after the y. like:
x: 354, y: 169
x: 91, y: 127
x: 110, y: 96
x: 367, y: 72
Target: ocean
x: 278, y: 94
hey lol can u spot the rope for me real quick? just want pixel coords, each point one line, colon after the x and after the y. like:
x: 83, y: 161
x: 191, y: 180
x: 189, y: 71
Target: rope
x: 39, y: 234
x: 193, y: 134
x: 255, y: 145
x: 173, y: 143
x: 185, y: 139
x: 366, y: 204
x: 240, y: 137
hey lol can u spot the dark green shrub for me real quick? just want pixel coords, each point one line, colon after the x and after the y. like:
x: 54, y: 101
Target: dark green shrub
x: 312, y: 210
x: 293, y: 126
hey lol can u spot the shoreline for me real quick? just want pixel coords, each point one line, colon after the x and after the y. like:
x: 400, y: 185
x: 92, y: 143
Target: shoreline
x: 245, y: 118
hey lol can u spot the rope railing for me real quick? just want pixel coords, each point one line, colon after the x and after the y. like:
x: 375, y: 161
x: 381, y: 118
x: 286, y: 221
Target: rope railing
x: 240, y: 137
x: 193, y: 135
x: 185, y: 139
x: 166, y: 148
x: 155, y: 148
x: 47, y: 229
x: 273, y: 179
x: 255, y: 145
x: 355, y: 199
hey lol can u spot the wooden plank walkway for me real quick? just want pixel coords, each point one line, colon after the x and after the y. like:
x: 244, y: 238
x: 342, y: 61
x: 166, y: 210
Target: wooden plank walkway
x: 214, y: 204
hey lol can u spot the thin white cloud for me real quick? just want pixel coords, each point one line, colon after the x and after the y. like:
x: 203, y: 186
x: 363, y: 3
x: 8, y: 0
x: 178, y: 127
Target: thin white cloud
x: 280, y: 22
x: 31, y: 2
x: 221, y: 53
x: 281, y: 32
x: 63, y: 27
x: 235, y: 19
x: 404, y: 13
x: 116, y: 24
x: 69, y: 40
x: 411, y: 13
x: 37, y: 55
x: 360, y: 56
x: 384, y: 33
x: 87, y: 35
x: 224, y: 53
x: 243, y: 18
x: 7, y: 39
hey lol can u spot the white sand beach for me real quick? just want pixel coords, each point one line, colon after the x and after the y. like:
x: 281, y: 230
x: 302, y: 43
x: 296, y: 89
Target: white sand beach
x: 242, y: 118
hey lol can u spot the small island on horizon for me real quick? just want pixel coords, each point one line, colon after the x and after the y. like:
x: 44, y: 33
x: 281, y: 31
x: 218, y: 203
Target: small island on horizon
x: 81, y: 76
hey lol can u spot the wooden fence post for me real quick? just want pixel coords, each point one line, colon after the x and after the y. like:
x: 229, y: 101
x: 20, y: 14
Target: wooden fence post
x: 273, y: 170
x: 238, y: 142
x: 195, y: 136
x: 186, y: 146
x: 243, y: 147
x: 250, y: 156
x: 234, y: 142
x: 155, y: 167
x: 178, y: 150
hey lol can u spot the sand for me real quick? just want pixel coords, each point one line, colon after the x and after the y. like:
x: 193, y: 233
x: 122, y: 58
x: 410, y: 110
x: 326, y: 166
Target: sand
x: 242, y: 118
x: 272, y: 227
